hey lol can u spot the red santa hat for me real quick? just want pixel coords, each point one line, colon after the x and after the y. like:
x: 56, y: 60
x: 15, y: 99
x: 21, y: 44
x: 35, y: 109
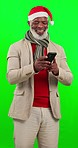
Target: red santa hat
x: 40, y: 11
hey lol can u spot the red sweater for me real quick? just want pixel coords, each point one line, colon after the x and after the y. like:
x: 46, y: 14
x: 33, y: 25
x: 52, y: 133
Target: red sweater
x: 41, y: 87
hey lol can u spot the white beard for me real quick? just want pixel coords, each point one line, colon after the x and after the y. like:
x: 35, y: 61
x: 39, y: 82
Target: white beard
x: 36, y: 36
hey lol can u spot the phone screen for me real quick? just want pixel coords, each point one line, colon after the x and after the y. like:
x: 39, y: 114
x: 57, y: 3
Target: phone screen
x: 51, y: 56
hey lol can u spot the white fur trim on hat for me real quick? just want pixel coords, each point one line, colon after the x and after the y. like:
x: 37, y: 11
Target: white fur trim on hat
x: 52, y: 22
x: 35, y: 15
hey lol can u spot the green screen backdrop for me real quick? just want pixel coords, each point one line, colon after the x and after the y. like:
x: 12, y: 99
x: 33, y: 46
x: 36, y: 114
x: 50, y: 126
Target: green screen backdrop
x: 13, y: 26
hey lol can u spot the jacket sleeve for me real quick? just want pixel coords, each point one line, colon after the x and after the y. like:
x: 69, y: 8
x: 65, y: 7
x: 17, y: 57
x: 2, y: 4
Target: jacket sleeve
x: 16, y: 73
x: 65, y: 75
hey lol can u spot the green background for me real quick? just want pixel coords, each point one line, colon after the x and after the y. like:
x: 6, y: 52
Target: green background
x: 13, y: 25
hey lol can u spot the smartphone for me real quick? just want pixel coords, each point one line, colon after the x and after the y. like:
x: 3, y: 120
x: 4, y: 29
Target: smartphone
x: 51, y: 56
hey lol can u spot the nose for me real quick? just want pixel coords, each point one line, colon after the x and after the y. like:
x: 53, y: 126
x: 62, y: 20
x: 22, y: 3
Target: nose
x: 40, y: 25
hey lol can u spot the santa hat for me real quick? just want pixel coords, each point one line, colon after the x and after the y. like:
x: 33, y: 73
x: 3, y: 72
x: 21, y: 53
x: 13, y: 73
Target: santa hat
x: 40, y: 11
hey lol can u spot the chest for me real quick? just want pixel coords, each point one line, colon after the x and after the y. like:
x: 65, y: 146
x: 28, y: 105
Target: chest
x: 26, y: 54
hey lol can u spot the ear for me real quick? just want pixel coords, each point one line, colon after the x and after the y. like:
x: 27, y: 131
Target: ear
x: 29, y: 23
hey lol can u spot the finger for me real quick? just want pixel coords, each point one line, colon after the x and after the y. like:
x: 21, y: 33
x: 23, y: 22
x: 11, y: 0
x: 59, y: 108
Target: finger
x: 42, y: 58
x: 54, y: 61
x: 53, y: 67
x: 44, y: 62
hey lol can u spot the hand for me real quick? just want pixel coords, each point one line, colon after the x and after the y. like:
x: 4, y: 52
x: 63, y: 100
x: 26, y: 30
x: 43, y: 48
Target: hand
x: 41, y: 63
x: 53, y: 67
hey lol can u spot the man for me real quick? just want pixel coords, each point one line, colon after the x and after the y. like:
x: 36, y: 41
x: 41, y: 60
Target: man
x: 35, y: 108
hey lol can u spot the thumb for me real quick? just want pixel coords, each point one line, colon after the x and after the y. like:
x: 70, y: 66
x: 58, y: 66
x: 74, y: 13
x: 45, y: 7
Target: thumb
x: 54, y: 61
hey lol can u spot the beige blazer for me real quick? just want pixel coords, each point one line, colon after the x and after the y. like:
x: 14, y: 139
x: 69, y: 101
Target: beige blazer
x: 20, y: 72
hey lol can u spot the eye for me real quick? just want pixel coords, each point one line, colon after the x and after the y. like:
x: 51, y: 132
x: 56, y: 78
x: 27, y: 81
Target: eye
x: 36, y: 22
x: 45, y: 22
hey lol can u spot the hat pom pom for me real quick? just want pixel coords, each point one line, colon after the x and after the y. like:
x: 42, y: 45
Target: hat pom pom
x: 52, y: 22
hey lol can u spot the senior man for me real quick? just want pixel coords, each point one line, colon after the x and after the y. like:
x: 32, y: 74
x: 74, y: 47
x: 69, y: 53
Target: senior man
x: 36, y: 108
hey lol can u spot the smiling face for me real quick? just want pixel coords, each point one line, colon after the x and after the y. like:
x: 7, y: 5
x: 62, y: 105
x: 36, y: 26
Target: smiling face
x: 39, y: 26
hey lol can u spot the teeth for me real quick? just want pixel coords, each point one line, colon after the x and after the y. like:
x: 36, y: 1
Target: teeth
x: 40, y: 30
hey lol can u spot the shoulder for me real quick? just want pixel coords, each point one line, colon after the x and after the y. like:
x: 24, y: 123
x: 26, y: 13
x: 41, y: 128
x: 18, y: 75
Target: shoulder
x: 19, y: 47
x: 57, y: 46
x: 19, y: 43
x: 23, y: 43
